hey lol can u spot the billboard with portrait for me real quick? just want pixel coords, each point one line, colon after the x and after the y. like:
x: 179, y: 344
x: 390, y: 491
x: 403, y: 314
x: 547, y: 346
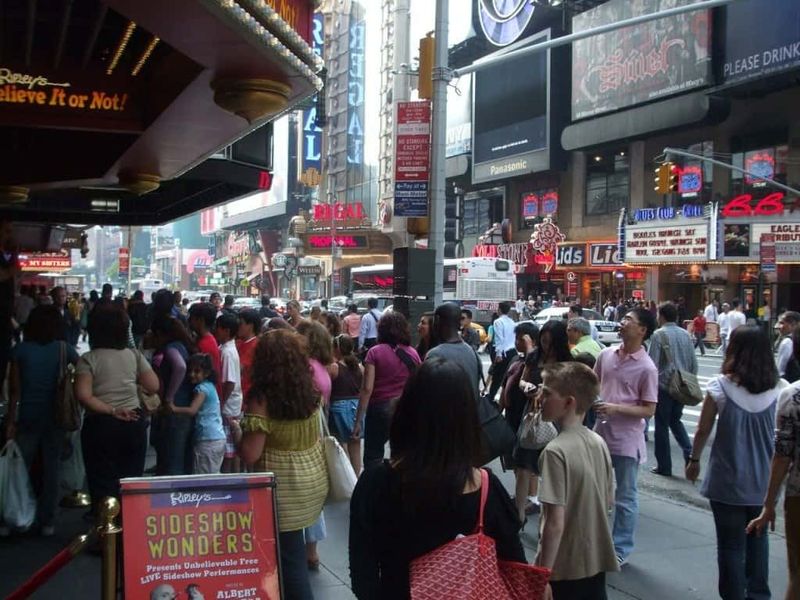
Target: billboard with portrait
x: 638, y: 64
x: 737, y: 240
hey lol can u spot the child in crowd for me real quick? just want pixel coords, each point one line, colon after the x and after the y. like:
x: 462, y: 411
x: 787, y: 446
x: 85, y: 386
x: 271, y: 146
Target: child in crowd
x: 249, y: 327
x: 576, y: 490
x: 201, y: 322
x: 226, y: 329
x: 208, y: 445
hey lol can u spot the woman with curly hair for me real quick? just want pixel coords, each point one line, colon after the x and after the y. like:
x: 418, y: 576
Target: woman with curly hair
x: 282, y: 434
x: 387, y: 366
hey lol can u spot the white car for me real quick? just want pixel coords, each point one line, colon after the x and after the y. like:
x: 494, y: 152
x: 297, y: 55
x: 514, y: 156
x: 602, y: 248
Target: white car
x: 608, y: 331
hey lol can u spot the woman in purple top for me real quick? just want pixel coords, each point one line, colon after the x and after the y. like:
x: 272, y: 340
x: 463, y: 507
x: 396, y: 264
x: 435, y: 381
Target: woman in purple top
x: 387, y: 366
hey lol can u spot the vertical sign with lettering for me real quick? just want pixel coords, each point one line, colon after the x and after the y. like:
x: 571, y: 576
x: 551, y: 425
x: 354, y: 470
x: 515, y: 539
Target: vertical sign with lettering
x: 412, y: 158
x: 311, y: 156
x: 355, y: 93
x: 767, y: 253
x: 124, y: 262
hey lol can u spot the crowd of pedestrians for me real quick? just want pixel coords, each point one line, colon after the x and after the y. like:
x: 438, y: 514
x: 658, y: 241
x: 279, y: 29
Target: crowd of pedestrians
x: 252, y: 389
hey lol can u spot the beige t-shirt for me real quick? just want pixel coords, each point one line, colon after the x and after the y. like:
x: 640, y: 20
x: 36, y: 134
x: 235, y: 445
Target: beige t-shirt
x: 577, y: 474
x: 114, y: 374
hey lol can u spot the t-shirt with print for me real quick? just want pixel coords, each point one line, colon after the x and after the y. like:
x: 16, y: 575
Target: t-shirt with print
x: 114, y: 375
x: 39, y: 368
x: 390, y: 372
x: 208, y: 422
x: 787, y: 437
x: 577, y: 474
x: 231, y: 373
x: 246, y: 349
x: 207, y: 344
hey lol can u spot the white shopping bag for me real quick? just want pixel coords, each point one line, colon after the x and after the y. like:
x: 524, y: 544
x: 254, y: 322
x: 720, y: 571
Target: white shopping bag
x: 16, y: 493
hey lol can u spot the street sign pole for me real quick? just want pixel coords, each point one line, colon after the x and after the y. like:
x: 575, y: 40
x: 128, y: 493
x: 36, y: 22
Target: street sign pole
x: 441, y: 78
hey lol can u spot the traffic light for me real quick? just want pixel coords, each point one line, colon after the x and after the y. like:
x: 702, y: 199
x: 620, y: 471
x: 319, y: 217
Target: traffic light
x: 426, y: 51
x: 674, y: 175
x: 662, y: 173
x: 453, y: 224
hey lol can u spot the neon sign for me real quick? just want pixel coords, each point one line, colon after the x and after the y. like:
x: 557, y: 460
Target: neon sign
x: 759, y: 165
x: 355, y: 95
x: 740, y: 206
x: 668, y: 212
x: 343, y: 241
x: 339, y: 212
x: 690, y: 180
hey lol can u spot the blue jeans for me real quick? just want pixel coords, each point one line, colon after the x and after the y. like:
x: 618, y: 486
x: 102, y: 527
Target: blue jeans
x: 743, y: 559
x: 294, y: 569
x: 626, y: 503
x: 171, y: 435
x: 376, y: 432
x: 668, y: 418
x: 31, y: 437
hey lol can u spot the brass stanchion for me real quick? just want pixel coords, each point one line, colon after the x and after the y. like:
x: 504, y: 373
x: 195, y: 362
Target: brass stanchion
x: 108, y: 531
x: 77, y: 499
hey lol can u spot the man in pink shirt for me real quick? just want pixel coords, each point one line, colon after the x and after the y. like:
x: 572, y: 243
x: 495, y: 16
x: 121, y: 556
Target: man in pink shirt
x: 628, y: 396
x: 352, y: 322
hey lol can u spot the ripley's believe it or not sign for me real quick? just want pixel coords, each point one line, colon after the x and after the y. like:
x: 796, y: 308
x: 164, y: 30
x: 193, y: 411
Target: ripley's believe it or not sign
x: 37, y: 90
x: 200, y: 537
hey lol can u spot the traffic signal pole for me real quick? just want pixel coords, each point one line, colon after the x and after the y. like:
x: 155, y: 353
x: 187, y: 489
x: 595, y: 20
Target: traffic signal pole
x: 441, y: 77
x: 442, y: 74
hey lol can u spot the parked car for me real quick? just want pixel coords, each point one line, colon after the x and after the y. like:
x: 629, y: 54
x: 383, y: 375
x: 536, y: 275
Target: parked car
x: 608, y: 331
x: 246, y: 302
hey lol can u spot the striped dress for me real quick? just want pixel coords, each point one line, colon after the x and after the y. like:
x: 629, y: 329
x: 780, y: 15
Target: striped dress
x: 293, y: 451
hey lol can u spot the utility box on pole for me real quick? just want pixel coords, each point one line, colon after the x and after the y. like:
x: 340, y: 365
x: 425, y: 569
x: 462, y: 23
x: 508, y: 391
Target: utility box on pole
x: 413, y: 272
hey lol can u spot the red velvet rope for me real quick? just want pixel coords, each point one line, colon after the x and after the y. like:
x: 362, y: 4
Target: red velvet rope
x: 41, y: 576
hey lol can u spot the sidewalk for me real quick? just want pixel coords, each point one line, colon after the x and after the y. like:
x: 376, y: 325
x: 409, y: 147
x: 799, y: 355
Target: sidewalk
x: 675, y: 556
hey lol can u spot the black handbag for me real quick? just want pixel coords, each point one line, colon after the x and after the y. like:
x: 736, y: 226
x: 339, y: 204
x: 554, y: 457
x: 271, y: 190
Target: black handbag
x: 497, y: 437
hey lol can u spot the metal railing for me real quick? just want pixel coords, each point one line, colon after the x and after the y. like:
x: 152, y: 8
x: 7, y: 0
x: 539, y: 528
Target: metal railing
x: 106, y: 530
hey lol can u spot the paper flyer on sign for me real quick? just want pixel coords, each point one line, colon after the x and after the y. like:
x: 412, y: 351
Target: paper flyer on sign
x: 200, y: 537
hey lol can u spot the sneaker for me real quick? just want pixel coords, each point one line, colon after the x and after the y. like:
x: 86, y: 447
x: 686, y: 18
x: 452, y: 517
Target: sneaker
x: 621, y: 561
x: 48, y: 531
x: 532, y: 508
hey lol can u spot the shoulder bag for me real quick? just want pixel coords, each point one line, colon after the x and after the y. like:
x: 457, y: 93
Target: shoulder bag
x: 67, y: 408
x: 149, y: 402
x: 406, y: 359
x: 341, y: 476
x: 468, y: 568
x: 682, y: 386
x: 533, y: 433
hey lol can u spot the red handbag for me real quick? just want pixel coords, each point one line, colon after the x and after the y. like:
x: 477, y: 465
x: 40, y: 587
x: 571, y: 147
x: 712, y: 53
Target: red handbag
x: 467, y: 569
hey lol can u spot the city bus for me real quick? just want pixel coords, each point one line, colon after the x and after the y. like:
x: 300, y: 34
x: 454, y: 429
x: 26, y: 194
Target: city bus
x: 477, y: 283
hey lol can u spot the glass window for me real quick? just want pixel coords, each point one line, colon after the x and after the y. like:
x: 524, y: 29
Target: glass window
x: 477, y: 215
x: 607, y: 182
x: 697, y: 177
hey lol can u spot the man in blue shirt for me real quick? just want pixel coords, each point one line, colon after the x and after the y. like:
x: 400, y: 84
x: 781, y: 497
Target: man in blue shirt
x: 504, y: 347
x: 368, y: 333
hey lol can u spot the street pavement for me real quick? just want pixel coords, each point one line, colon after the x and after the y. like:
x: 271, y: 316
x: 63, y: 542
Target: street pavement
x: 675, y: 555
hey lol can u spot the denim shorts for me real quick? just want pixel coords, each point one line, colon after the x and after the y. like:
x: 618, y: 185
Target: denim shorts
x: 342, y: 417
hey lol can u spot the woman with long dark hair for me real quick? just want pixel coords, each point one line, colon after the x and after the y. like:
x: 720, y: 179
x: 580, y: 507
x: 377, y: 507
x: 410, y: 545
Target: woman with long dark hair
x: 36, y: 365
x: 425, y: 332
x: 742, y: 400
x: 282, y: 434
x: 386, y: 369
x: 428, y: 492
x: 346, y: 386
x: 552, y: 347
